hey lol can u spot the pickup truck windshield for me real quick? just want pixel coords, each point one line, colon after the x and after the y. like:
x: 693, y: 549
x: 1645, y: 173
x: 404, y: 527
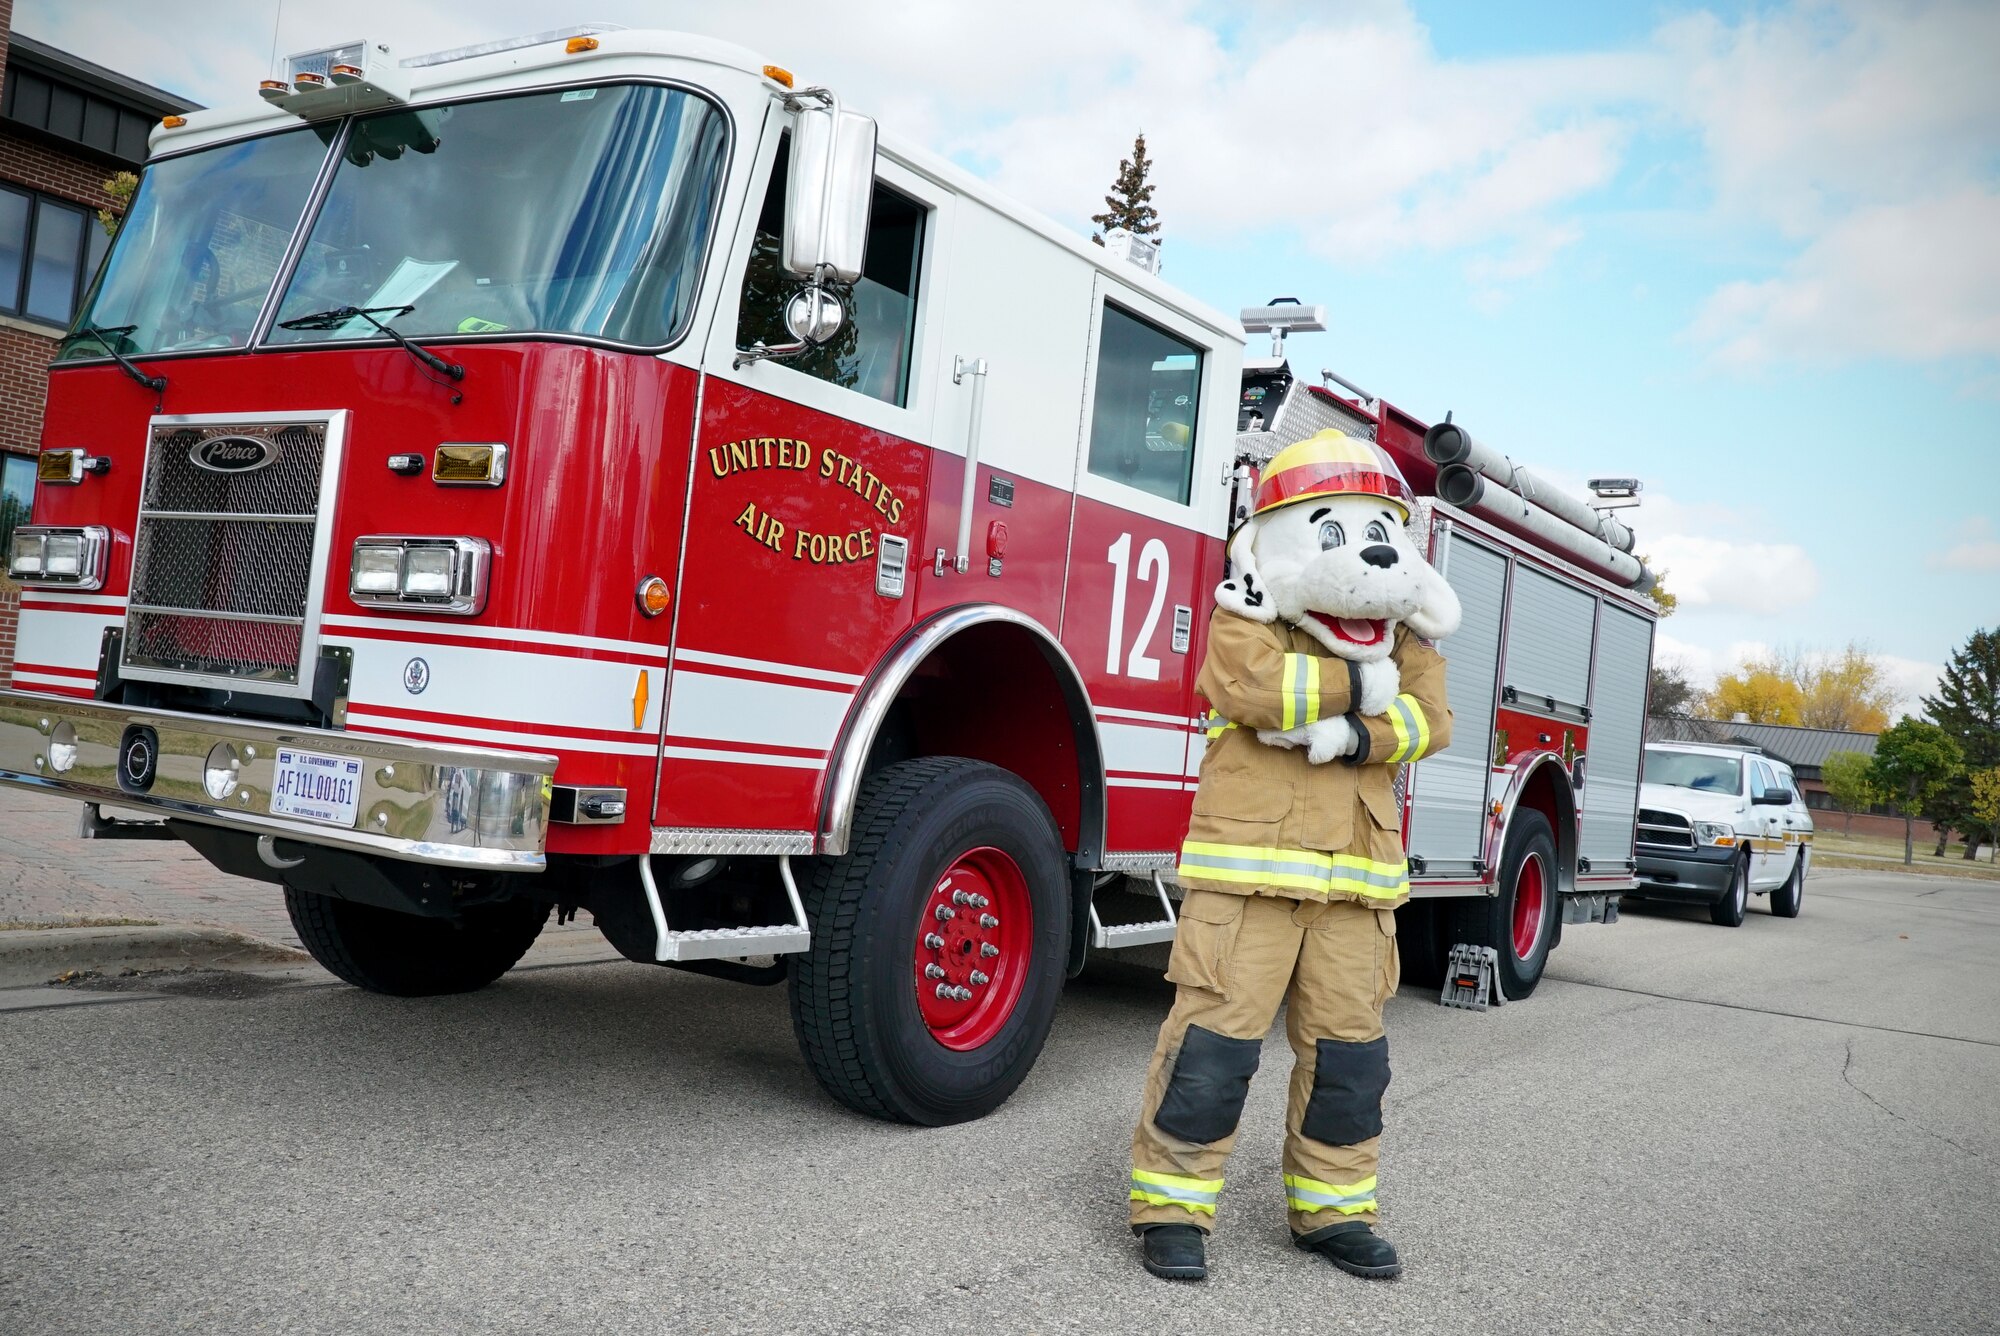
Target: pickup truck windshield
x: 583, y: 212
x: 197, y: 252
x: 1693, y: 770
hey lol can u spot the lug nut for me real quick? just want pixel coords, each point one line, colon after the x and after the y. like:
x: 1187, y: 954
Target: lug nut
x: 933, y: 942
x: 944, y: 992
x: 933, y: 972
x: 962, y: 994
x: 946, y: 913
x: 988, y: 950
x: 988, y: 921
x: 961, y: 898
x: 980, y: 979
x: 979, y: 901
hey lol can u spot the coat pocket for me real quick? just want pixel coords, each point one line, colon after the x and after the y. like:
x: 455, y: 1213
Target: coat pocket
x: 1379, y: 795
x: 1240, y: 809
x: 1209, y: 922
x: 1329, y: 813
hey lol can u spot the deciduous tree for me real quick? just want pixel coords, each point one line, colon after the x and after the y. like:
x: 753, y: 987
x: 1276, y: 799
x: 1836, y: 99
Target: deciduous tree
x: 1670, y: 694
x: 1914, y: 761
x: 1760, y: 692
x: 1850, y: 783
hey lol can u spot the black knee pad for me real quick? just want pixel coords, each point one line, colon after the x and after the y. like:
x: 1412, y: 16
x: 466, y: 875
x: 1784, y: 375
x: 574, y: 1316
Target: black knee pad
x: 1348, y: 1081
x: 1204, y: 1100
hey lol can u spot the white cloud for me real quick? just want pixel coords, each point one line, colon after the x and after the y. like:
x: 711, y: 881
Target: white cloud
x: 1977, y: 549
x: 1912, y: 678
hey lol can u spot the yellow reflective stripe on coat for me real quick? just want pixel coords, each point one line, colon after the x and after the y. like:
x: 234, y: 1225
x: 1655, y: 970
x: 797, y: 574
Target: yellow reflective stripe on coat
x: 1215, y: 725
x: 1413, y: 731
x: 1294, y: 869
x: 1190, y: 1194
x: 1301, y: 690
x: 1309, y: 1194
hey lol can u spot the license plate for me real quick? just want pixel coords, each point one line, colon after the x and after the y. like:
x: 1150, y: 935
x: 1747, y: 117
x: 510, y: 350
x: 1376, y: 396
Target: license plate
x: 316, y: 788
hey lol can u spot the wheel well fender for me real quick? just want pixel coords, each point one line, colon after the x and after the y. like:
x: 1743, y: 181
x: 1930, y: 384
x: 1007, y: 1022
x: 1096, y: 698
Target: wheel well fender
x: 990, y: 683
x: 1545, y: 787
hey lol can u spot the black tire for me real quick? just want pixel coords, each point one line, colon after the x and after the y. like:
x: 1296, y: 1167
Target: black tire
x: 1788, y: 899
x: 853, y: 995
x: 405, y: 955
x: 1423, y: 955
x: 1484, y: 921
x: 1728, y: 911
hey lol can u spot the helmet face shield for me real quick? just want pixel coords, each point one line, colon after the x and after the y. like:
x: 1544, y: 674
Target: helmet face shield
x: 1332, y: 463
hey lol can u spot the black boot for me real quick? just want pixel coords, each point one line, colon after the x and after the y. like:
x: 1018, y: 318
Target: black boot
x: 1354, y: 1248
x: 1175, y: 1252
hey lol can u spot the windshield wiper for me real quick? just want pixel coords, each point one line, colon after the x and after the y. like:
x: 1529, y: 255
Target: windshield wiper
x: 340, y: 315
x: 157, y: 384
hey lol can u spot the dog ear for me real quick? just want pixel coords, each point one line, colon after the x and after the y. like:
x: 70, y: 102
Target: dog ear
x: 1243, y: 593
x: 1438, y: 615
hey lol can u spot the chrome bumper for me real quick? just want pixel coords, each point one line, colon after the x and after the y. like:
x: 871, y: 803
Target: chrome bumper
x: 437, y: 803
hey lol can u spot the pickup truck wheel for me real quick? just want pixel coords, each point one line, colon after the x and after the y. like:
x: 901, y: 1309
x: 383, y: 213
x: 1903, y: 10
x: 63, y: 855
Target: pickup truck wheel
x: 1728, y: 911
x: 938, y: 944
x: 1787, y: 899
x: 1520, y: 922
x: 405, y: 955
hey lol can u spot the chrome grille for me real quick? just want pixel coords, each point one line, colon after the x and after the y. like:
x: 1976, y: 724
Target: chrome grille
x: 224, y: 566
x: 1668, y: 830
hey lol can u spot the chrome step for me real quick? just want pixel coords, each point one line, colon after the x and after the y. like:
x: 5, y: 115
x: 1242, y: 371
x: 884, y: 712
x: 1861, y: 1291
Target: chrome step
x: 1112, y: 937
x: 760, y: 939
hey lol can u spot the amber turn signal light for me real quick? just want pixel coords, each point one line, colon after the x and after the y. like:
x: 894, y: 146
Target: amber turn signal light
x: 778, y: 74
x: 578, y: 45
x: 654, y: 596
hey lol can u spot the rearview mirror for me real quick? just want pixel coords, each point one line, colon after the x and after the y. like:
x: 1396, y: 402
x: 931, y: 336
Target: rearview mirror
x: 831, y: 183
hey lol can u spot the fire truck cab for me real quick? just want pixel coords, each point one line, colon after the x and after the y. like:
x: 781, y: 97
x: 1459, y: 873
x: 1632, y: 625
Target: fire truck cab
x: 591, y: 473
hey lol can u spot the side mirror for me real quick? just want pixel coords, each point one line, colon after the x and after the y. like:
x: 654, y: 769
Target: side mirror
x: 1773, y: 798
x: 831, y: 184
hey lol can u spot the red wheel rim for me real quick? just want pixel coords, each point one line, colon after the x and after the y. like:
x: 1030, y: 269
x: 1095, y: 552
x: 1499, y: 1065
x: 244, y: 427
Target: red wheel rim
x: 974, y: 941
x: 1530, y: 899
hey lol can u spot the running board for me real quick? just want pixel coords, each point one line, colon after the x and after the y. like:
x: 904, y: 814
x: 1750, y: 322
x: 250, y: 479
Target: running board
x: 767, y: 939
x: 1111, y: 937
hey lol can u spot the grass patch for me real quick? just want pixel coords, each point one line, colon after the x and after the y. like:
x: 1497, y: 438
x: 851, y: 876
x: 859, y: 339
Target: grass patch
x: 16, y: 925
x: 1877, y: 853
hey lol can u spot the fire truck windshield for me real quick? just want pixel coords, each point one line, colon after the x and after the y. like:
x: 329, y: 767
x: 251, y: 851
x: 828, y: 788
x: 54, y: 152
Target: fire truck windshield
x: 584, y: 211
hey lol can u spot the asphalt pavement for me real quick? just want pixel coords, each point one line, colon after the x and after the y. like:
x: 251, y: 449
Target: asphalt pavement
x: 1787, y: 1126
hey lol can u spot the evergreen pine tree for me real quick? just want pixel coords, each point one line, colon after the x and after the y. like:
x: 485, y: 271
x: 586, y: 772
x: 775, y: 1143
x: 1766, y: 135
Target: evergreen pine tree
x: 1130, y: 203
x: 1967, y: 706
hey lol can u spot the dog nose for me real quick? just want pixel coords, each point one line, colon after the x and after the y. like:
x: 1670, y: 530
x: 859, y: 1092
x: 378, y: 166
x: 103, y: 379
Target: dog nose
x: 1379, y: 554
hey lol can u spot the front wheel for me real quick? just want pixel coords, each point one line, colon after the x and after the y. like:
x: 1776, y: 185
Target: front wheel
x: 1728, y: 911
x: 938, y: 944
x: 404, y: 955
x: 1787, y: 899
x: 1520, y: 922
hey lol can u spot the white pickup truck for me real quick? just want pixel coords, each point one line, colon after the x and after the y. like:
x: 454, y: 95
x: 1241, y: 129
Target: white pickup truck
x: 1718, y: 824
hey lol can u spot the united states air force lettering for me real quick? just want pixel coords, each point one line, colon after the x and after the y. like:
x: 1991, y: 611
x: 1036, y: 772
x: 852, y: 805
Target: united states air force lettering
x: 824, y: 466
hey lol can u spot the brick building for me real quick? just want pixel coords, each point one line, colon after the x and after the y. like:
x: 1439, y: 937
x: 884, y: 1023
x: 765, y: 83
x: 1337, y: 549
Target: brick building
x: 66, y: 127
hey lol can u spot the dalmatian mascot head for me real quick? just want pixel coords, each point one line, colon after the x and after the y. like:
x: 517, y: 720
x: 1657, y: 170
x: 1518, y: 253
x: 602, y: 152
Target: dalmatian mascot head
x: 1326, y: 550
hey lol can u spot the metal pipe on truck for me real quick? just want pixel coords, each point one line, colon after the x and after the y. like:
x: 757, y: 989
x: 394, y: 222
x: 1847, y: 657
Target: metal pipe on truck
x: 1464, y: 487
x: 1447, y: 443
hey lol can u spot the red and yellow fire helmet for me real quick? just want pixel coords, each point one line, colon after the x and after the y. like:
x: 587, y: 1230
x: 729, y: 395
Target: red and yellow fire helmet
x: 1332, y: 463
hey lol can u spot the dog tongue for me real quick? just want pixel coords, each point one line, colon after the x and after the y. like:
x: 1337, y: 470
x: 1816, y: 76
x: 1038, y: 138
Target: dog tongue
x: 1355, y: 630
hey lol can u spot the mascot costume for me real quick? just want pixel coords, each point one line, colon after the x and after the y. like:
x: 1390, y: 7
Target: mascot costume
x: 1323, y: 681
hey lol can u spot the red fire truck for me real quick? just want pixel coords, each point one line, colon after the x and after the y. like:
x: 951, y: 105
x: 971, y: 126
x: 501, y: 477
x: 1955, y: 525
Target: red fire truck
x: 591, y: 473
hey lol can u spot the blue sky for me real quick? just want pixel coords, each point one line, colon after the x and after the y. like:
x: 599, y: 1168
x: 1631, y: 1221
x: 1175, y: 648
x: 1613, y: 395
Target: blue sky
x: 1749, y: 253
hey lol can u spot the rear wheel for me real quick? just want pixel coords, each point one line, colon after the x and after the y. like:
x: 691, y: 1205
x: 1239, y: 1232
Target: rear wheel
x: 938, y: 944
x: 1728, y: 911
x: 1520, y: 922
x: 1787, y: 899
x: 405, y: 955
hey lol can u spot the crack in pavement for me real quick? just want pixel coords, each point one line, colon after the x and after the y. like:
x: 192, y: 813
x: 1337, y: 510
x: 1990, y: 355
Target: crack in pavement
x: 1847, y: 1067
x: 1772, y: 1011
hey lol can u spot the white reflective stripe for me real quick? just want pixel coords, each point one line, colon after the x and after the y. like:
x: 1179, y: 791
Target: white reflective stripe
x: 24, y: 675
x: 34, y: 597
x: 1121, y: 782
x: 766, y: 666
x: 743, y: 758
x: 534, y: 691
x: 1176, y: 720
x: 62, y: 639
x: 362, y: 721
x: 1197, y: 748
x: 450, y: 626
x: 736, y: 709
x: 1151, y: 751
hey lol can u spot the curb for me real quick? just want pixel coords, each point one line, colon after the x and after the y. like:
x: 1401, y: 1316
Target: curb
x: 32, y: 956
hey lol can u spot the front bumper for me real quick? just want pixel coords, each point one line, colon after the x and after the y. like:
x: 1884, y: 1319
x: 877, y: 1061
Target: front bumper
x: 1701, y: 874
x: 440, y: 803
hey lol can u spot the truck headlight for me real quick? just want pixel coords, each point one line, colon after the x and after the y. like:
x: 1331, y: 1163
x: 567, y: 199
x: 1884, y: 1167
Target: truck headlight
x: 64, y: 558
x: 1710, y: 832
x: 446, y: 575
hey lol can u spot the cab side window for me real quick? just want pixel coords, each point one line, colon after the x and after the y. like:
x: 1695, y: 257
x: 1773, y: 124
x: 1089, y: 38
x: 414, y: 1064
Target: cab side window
x: 873, y: 351
x: 1142, y: 423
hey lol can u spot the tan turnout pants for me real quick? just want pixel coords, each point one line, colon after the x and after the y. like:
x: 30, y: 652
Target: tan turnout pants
x: 1236, y: 958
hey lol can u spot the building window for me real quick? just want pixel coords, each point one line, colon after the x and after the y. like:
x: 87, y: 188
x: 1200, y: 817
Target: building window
x: 49, y: 249
x: 17, y: 493
x: 1142, y: 426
